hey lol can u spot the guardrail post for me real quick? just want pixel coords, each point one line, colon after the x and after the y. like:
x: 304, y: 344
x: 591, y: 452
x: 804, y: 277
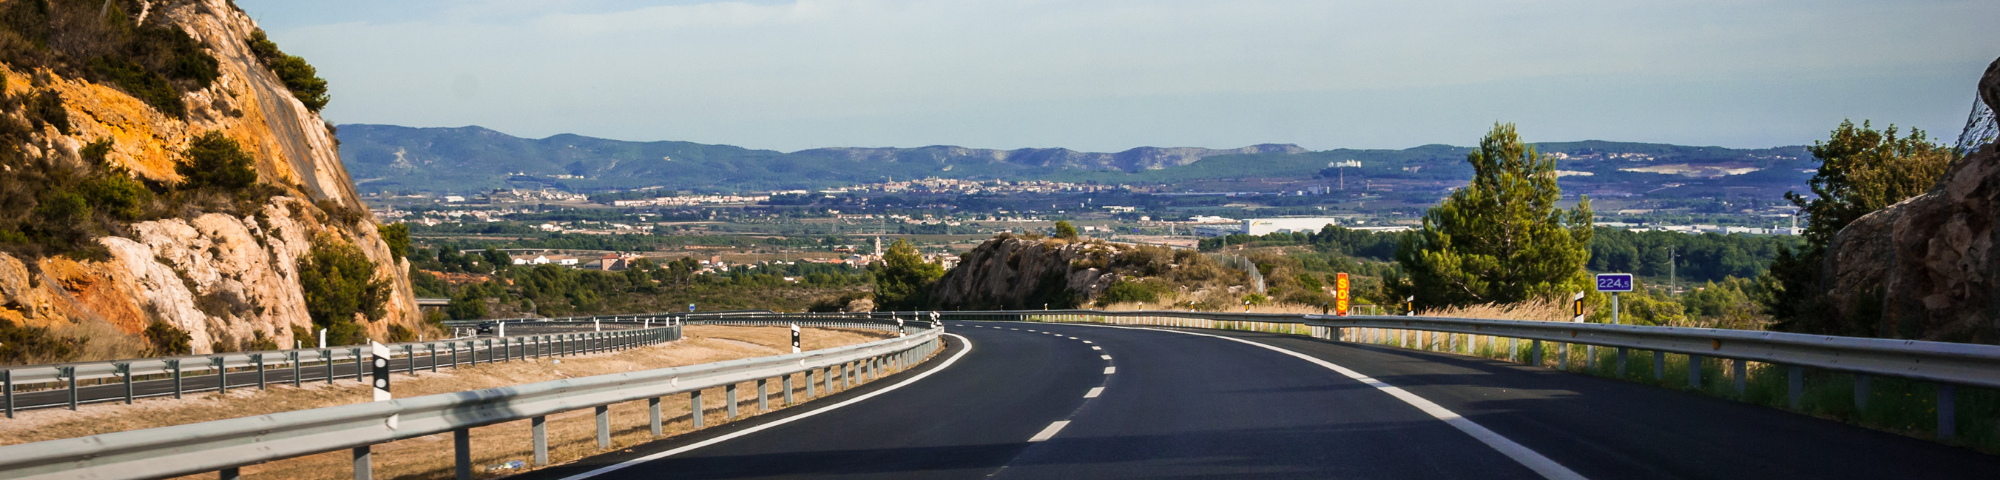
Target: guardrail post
x: 175, y: 365
x: 694, y: 407
x: 409, y: 360
x: 1860, y: 391
x: 433, y: 357
x: 125, y: 370
x: 360, y: 364
x: 454, y: 355
x: 1590, y: 358
x: 540, y: 428
x: 259, y: 358
x: 231, y: 473
x: 69, y: 373
x: 461, y: 454
x: 221, y: 374
x: 7, y: 386
x: 653, y: 416
x: 363, y: 468
x: 1562, y: 354
x: 326, y: 355
x: 826, y: 375
x: 1535, y: 352
x: 1796, y: 385
x: 292, y: 358
x: 1659, y: 366
x: 729, y: 396
x: 1694, y: 371
x: 763, y: 402
x: 1741, y: 371
x: 787, y: 385
x: 603, y: 427
x: 847, y: 375
x: 1621, y: 362
x: 1947, y: 408
x: 810, y: 393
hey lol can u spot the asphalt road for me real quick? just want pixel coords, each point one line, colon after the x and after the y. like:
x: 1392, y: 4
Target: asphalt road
x: 1175, y: 405
x: 198, y: 379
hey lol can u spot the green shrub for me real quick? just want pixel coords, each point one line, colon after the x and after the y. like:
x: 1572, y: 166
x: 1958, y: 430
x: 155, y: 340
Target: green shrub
x: 1129, y: 291
x: 143, y: 84
x: 215, y: 160
x: 24, y: 344
x: 299, y: 77
x: 397, y: 235
x: 166, y: 339
x: 338, y: 282
x: 46, y: 108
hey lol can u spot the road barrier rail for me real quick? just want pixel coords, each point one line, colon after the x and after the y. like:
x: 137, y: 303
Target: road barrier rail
x: 225, y: 445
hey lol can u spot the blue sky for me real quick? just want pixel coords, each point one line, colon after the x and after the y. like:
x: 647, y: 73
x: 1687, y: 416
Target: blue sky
x: 1111, y: 75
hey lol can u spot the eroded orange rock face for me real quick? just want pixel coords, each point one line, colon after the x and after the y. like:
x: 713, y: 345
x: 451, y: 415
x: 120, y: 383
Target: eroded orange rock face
x: 217, y: 276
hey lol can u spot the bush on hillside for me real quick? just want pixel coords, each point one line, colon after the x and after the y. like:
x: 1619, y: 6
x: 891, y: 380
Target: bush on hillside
x: 339, y: 285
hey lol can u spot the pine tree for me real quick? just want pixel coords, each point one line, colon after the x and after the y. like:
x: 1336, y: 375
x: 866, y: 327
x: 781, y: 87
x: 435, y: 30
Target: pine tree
x: 1501, y: 239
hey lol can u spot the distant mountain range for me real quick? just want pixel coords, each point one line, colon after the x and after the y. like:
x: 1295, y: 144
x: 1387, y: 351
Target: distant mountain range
x: 469, y: 159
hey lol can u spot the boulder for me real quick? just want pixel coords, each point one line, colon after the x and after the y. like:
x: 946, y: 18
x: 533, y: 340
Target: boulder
x: 1925, y: 267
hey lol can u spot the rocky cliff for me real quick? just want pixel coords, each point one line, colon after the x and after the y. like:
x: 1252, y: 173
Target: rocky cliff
x: 1927, y: 265
x: 1013, y: 273
x: 225, y: 276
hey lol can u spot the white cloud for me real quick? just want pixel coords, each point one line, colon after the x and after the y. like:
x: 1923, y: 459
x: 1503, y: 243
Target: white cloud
x: 1109, y: 75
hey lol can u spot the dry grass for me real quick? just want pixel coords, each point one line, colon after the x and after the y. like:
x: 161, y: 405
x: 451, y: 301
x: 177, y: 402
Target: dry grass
x: 571, y: 435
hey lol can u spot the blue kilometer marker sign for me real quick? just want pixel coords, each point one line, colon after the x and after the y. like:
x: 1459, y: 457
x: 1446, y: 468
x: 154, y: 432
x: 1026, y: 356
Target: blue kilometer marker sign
x: 1614, y: 282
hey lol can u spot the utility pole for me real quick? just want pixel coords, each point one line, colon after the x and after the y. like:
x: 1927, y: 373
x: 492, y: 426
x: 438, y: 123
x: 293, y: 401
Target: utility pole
x: 1673, y: 286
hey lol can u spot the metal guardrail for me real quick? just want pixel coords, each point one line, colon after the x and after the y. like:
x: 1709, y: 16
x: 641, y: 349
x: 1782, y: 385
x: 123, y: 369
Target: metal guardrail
x: 302, y: 362
x: 1947, y: 364
x: 225, y: 445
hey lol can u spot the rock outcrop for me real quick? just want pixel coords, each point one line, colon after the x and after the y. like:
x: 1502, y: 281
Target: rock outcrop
x: 1927, y: 265
x: 1013, y: 273
x: 219, y: 277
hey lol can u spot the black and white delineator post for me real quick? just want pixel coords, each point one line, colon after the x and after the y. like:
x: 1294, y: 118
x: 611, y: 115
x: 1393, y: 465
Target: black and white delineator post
x: 795, y: 338
x: 1577, y: 303
x: 379, y: 369
x: 1410, y: 306
x: 937, y: 323
x: 899, y: 326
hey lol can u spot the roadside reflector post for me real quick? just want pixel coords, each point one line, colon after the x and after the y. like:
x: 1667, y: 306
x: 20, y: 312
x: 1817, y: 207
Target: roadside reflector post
x: 795, y: 338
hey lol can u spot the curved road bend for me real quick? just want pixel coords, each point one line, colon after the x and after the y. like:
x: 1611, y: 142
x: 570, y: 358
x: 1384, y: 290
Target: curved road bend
x: 1181, y: 405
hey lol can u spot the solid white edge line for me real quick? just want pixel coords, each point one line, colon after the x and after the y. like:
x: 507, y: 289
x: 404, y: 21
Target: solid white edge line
x: 1529, y: 458
x: 687, y: 448
x: 1094, y: 392
x: 1050, y: 431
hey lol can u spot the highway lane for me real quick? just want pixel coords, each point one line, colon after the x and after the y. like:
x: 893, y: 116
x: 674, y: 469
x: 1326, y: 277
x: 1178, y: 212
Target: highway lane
x: 1180, y: 405
x: 1171, y: 406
